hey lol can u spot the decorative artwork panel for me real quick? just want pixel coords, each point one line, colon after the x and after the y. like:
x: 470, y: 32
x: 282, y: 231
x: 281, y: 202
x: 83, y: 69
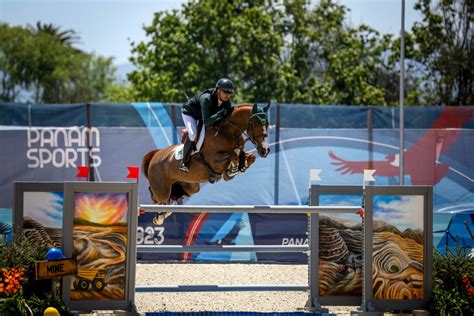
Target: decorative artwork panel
x: 398, y: 247
x: 100, y: 245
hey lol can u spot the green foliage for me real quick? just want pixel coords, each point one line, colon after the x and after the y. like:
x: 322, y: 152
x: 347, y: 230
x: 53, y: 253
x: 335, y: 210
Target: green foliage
x: 190, y: 50
x: 281, y: 50
x: 13, y: 306
x: 444, y: 51
x: 453, y: 276
x: 296, y: 52
x: 39, y: 303
x: 14, y: 64
x: 17, y: 305
x: 22, y: 252
x: 43, y: 62
x: 120, y: 93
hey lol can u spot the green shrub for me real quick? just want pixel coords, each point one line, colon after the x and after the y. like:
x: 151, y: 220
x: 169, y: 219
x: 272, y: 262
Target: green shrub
x: 452, y: 287
x: 22, y: 252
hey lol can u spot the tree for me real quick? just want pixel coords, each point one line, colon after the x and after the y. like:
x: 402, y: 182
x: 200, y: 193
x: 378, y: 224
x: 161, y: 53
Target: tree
x: 191, y: 49
x: 329, y: 61
x: 66, y: 38
x: 445, y: 51
x: 43, y: 65
x: 280, y: 50
x: 14, y: 64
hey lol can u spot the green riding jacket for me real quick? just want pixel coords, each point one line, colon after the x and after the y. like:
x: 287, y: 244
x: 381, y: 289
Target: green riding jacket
x: 204, y: 106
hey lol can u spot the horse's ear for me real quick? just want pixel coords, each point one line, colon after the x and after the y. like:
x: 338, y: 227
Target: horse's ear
x: 265, y: 109
x: 255, y: 108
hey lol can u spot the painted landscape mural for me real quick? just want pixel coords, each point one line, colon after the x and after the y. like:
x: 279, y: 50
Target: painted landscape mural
x: 397, y: 266
x: 43, y: 216
x: 100, y: 245
x: 340, y: 249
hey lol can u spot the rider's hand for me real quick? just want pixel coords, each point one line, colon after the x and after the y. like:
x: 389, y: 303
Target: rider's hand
x: 223, y: 113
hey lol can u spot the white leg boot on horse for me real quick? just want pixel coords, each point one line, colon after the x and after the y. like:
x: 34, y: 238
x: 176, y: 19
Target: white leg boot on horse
x: 240, y: 165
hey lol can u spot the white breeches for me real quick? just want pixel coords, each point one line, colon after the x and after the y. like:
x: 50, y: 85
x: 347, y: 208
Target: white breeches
x: 191, y: 126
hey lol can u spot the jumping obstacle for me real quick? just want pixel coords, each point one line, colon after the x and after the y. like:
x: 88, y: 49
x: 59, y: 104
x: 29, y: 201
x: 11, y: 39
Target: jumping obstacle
x: 267, y: 209
x: 311, y: 211
x: 368, y: 304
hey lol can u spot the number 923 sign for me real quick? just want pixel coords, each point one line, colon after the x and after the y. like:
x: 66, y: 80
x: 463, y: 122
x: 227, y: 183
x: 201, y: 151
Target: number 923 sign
x: 150, y: 235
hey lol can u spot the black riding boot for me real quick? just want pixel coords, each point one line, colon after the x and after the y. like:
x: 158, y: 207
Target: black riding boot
x: 187, y: 149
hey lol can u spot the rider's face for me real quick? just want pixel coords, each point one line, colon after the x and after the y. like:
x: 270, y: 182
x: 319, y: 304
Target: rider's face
x: 223, y: 95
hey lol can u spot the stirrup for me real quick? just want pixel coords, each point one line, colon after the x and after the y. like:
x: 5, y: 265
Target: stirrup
x: 184, y: 168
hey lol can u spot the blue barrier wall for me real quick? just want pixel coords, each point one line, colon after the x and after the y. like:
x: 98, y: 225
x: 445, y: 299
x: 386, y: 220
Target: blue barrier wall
x: 47, y: 142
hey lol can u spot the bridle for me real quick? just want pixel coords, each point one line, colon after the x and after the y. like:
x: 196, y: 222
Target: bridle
x: 252, y: 137
x: 250, y: 128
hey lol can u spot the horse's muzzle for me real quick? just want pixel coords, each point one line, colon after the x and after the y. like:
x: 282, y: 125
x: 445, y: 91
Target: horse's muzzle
x: 263, y: 152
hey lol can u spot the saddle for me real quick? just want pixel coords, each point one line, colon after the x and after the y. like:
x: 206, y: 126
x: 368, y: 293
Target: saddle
x: 213, y: 176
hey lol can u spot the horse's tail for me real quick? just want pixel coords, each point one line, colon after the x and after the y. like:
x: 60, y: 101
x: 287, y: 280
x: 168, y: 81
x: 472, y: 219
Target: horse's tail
x: 146, y: 161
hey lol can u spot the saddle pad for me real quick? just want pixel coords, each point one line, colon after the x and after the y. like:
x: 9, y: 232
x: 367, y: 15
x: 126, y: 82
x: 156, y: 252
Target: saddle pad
x: 178, y: 151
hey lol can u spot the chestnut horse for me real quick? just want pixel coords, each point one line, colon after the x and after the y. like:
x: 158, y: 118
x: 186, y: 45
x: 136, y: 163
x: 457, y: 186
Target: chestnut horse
x: 221, y: 156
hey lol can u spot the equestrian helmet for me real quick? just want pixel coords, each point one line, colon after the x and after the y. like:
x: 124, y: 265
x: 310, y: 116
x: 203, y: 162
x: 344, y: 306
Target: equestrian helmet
x: 226, y: 85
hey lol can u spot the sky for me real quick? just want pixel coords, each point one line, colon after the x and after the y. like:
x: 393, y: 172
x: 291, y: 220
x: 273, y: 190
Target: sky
x: 107, y: 27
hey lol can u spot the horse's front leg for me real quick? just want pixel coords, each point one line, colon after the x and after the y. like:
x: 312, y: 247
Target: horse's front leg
x: 232, y: 168
x: 245, y: 161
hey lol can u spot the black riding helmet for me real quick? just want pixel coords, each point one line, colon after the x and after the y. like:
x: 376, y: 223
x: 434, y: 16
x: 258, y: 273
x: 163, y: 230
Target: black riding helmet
x: 226, y: 85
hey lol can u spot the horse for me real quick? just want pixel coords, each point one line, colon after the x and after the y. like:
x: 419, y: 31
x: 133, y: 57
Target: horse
x: 221, y: 156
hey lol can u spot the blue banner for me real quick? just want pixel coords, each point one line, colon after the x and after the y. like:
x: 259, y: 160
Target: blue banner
x: 48, y: 142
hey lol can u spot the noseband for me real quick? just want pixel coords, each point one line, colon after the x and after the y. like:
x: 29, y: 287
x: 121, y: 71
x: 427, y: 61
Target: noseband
x: 250, y: 129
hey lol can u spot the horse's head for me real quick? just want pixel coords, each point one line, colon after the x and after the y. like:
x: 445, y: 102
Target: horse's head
x: 257, y: 129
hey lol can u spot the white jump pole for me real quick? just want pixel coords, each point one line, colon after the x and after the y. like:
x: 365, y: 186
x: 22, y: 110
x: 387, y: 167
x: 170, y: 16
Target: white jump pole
x: 267, y: 209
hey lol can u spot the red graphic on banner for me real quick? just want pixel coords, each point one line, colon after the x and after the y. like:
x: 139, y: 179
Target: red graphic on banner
x: 422, y: 158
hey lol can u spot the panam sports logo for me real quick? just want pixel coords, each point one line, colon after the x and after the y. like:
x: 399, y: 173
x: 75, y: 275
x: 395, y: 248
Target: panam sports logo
x: 63, y: 147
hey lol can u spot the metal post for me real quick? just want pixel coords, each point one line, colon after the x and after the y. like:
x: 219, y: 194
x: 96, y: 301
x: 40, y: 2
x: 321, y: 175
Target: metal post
x: 402, y: 92
x: 370, y: 136
x: 174, y: 132
x: 277, y: 155
x: 89, y: 141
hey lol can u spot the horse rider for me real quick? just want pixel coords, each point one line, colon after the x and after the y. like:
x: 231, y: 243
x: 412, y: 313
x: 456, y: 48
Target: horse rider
x: 210, y: 106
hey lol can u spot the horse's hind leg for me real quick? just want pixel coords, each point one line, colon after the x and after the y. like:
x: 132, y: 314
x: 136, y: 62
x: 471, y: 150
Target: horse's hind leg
x: 180, y: 190
x: 191, y: 188
x: 160, y: 195
x: 159, y: 218
x: 152, y: 196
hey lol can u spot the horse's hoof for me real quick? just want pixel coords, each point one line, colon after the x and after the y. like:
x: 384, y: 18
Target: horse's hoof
x: 159, y: 218
x: 214, y: 179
